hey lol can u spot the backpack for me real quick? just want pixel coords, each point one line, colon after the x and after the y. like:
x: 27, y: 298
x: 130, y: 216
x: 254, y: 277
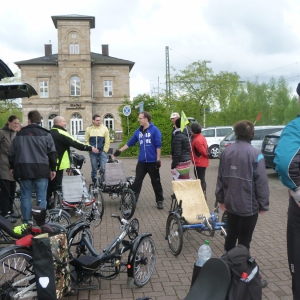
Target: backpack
x: 287, y: 147
x: 239, y: 261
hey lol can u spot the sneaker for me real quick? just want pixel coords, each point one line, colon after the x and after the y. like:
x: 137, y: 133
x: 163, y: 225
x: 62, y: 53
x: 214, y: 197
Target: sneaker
x: 160, y: 205
x: 22, y: 229
x: 10, y: 219
x: 15, y: 215
x: 114, y: 196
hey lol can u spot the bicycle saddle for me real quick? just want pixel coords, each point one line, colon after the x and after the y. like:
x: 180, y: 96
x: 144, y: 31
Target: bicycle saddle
x: 212, y: 282
x: 86, y: 262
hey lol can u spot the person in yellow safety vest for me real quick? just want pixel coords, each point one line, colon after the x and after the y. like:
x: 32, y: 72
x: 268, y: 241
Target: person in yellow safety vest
x: 63, y: 141
x: 97, y: 135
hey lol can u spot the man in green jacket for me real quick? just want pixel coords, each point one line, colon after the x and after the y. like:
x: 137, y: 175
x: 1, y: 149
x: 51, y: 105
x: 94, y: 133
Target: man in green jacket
x: 63, y: 141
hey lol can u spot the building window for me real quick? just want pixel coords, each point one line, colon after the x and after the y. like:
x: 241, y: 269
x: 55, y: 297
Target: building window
x: 109, y: 121
x: 71, y: 48
x: 50, y: 121
x: 75, y: 86
x: 108, y: 88
x: 76, y: 124
x: 76, y: 48
x: 42, y: 122
x: 44, y: 90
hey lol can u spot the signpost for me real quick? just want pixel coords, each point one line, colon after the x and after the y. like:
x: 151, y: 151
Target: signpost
x: 141, y: 107
x: 127, y: 112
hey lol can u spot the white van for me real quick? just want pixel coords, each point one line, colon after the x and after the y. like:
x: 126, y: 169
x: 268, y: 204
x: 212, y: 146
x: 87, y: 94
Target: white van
x: 214, y: 135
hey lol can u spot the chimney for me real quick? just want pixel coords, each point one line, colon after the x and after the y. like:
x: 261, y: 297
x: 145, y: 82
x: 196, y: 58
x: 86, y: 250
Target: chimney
x: 48, y: 49
x: 105, y: 50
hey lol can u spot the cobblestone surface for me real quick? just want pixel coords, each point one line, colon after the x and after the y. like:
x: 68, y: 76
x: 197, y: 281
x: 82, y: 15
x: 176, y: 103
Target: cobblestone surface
x: 172, y: 276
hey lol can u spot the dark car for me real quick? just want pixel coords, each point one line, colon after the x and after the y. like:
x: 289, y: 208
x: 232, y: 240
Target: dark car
x: 268, y: 147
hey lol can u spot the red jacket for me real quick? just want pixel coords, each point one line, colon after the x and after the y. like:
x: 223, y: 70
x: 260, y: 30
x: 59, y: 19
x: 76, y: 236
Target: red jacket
x: 199, y: 143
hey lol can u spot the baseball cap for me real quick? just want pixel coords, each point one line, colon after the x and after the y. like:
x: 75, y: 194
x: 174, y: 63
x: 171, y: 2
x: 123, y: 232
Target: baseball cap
x: 174, y: 115
x: 298, y: 89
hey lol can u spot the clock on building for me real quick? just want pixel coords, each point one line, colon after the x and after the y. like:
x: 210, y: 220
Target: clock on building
x: 73, y: 35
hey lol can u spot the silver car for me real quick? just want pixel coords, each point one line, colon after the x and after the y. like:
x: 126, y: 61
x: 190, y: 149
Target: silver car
x: 259, y: 134
x: 81, y: 136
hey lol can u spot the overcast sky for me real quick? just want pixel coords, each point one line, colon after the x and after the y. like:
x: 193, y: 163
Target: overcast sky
x: 252, y: 38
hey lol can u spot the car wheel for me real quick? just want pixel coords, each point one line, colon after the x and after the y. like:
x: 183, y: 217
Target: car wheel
x: 214, y: 151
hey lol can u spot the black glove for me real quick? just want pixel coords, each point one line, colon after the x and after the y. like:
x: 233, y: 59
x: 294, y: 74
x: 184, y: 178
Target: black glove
x: 117, y: 153
x: 158, y: 164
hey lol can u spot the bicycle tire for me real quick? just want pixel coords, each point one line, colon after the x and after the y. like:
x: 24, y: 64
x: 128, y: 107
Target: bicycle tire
x: 16, y: 264
x: 128, y: 203
x: 144, y: 261
x: 174, y: 234
x: 58, y: 216
x: 75, y: 247
x: 95, y: 214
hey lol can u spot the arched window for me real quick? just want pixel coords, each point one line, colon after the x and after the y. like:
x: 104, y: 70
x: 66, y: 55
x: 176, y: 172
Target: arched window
x: 42, y: 122
x: 75, y: 86
x: 76, y: 123
x: 109, y: 121
x: 50, y: 120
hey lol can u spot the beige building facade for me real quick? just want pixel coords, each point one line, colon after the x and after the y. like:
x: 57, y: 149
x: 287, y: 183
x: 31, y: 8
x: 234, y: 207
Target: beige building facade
x: 76, y: 83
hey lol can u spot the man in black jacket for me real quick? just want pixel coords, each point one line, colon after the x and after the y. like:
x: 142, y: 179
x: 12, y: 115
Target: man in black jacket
x: 32, y: 160
x: 63, y: 141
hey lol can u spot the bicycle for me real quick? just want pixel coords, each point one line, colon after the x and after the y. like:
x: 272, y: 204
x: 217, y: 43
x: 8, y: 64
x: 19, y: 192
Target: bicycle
x: 108, y: 265
x: 74, y: 195
x: 116, y: 184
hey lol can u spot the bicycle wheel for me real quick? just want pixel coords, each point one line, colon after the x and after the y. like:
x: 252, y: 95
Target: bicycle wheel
x: 144, y: 261
x: 95, y: 214
x: 16, y: 267
x: 127, y: 203
x: 174, y: 234
x: 58, y: 216
x: 75, y: 247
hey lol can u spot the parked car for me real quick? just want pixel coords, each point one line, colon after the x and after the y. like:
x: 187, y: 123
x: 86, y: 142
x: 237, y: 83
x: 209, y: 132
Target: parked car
x: 268, y: 147
x: 81, y: 136
x: 259, y: 133
x: 214, y: 136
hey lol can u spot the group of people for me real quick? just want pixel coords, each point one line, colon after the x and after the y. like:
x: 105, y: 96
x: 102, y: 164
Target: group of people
x: 36, y: 158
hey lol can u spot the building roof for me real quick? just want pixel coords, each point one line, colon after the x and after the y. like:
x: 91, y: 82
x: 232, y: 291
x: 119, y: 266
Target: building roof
x: 74, y: 17
x: 97, y: 59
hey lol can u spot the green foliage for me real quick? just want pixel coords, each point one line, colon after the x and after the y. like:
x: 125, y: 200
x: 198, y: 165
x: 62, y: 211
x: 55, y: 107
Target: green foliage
x: 160, y: 118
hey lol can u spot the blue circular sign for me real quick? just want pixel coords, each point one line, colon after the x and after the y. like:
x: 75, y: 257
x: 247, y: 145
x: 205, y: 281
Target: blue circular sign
x: 126, y: 110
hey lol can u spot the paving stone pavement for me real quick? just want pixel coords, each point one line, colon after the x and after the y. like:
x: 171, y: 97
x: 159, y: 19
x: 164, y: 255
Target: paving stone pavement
x: 172, y: 276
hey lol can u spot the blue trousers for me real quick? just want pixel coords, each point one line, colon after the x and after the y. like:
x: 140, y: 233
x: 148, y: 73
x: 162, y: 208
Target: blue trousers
x: 96, y: 158
x: 26, y: 186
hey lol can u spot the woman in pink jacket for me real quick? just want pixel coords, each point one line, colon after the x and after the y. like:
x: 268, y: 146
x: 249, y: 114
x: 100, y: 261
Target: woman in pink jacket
x: 199, y: 154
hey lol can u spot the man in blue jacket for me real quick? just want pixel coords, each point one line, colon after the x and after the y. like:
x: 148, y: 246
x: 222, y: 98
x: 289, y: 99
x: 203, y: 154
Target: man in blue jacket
x: 149, y: 138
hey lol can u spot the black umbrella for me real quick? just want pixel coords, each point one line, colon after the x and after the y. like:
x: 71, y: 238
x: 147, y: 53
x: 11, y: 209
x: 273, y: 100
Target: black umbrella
x: 16, y: 90
x: 5, y: 71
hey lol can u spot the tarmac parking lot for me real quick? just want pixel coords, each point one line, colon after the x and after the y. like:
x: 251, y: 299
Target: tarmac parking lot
x: 172, y: 276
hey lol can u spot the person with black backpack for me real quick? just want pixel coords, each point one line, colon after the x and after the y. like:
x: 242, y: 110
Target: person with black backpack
x: 287, y: 160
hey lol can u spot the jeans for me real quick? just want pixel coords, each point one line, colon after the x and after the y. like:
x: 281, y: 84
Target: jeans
x: 96, y: 158
x: 200, y: 174
x: 26, y: 186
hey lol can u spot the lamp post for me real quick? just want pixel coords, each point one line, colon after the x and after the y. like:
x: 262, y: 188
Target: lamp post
x: 204, y: 109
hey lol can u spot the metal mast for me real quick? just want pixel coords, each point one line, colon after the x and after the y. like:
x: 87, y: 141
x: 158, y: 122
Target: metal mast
x: 168, y: 86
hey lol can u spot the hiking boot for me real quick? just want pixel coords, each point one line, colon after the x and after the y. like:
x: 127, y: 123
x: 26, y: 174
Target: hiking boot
x: 15, y: 215
x: 9, y: 218
x: 22, y: 229
x: 160, y: 205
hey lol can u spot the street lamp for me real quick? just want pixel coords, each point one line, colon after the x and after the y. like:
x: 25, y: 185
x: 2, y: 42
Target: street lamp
x: 204, y: 110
